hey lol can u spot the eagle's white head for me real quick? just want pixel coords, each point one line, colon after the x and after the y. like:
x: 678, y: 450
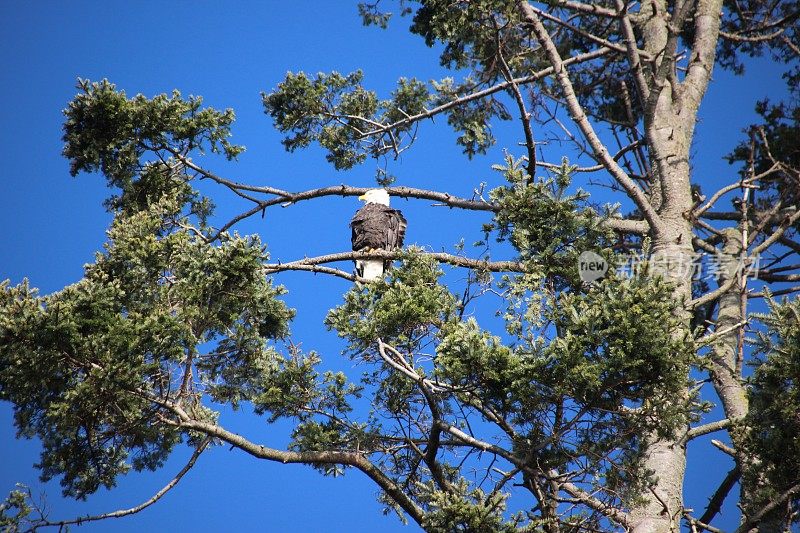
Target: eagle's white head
x: 375, y: 196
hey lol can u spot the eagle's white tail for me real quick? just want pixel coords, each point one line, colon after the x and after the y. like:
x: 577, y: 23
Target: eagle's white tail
x: 369, y: 269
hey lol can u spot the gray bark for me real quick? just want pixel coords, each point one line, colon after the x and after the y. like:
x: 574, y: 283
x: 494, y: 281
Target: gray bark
x: 727, y: 379
x: 670, y: 115
x: 670, y: 101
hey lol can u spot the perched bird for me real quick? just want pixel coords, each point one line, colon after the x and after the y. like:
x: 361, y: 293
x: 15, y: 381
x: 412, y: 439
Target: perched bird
x: 376, y: 226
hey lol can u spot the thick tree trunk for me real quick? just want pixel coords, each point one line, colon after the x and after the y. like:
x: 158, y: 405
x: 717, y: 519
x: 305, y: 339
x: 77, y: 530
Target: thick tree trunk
x: 662, y: 508
x: 727, y: 380
x: 670, y: 116
x: 672, y: 257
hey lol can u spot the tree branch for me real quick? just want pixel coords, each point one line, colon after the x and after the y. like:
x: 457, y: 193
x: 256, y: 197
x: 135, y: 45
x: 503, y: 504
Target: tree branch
x: 428, y: 390
x: 457, y: 260
x: 354, y: 459
x: 763, y: 294
x: 592, y: 37
x: 711, y: 337
x: 753, y: 521
x: 705, y: 429
x: 274, y: 268
x: 737, y: 38
x: 580, y: 58
x: 720, y: 193
x: 590, y: 9
x: 406, y: 371
x: 635, y: 193
x: 524, y: 116
x: 633, y: 53
x: 618, y: 516
x: 737, y: 215
x: 595, y: 168
x: 777, y: 234
x: 723, y: 447
x: 133, y: 510
x: 625, y: 225
x: 695, y: 523
x: 713, y: 295
x: 286, y: 198
x: 717, y: 499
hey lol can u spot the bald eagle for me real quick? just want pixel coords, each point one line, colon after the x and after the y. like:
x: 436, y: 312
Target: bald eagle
x: 376, y: 226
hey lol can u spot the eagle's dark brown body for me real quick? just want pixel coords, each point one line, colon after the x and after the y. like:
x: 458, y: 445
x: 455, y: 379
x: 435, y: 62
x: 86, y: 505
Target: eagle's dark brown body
x: 377, y: 227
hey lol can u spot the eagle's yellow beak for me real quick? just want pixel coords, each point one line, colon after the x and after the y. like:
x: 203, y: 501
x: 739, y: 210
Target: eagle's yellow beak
x: 362, y: 197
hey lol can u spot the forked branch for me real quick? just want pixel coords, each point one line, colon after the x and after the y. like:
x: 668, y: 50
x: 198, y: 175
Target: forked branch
x: 601, y: 153
x: 344, y: 458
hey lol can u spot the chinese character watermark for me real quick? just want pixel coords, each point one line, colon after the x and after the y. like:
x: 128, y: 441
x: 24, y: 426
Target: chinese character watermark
x: 592, y: 266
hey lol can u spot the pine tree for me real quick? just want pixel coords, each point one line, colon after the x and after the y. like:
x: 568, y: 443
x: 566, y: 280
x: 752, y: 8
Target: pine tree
x: 585, y: 402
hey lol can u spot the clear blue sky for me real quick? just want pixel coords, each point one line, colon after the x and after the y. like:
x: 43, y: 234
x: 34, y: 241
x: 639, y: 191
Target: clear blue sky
x: 53, y: 224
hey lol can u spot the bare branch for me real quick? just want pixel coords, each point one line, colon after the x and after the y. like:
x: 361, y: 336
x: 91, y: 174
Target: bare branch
x: 763, y: 294
x: 633, y: 53
x: 722, y: 215
x: 344, y: 458
x: 715, y: 503
x: 793, y: 47
x: 285, y: 197
x: 457, y: 260
x: 592, y: 37
x: 133, y: 510
x: 590, y: 9
x: 723, y: 447
x: 766, y: 219
x: 719, y: 194
x: 745, y: 228
x: 785, y: 278
x: 624, y: 225
x: 525, y: 117
x: 705, y: 429
x: 601, y: 507
x: 737, y: 215
x: 739, y: 38
x: 695, y: 523
x: 701, y: 244
x: 618, y: 516
x: 405, y: 370
x: 712, y: 337
x: 595, y: 168
x: 713, y: 295
x: 793, y: 245
x: 580, y: 58
x: 579, y: 116
x: 274, y: 268
x: 777, y: 234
